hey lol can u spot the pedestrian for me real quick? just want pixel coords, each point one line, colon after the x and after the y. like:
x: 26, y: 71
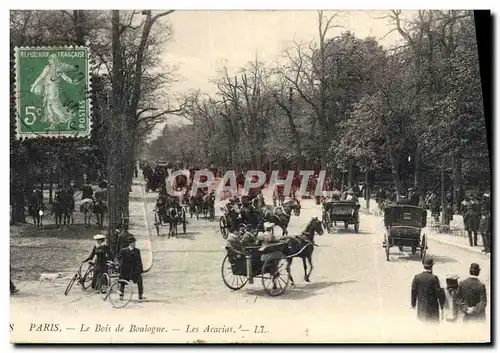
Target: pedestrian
x: 451, y: 309
x: 485, y: 225
x: 426, y: 294
x: 102, y: 254
x: 471, y: 223
x: 471, y: 296
x: 131, y: 267
x: 13, y: 289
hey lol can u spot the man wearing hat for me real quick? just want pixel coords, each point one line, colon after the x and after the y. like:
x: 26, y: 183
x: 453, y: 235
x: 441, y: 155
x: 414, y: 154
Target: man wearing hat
x: 131, y: 266
x: 471, y: 296
x: 427, y: 294
x: 103, y: 254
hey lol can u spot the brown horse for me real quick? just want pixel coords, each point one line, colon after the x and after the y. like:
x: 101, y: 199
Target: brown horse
x: 86, y: 208
x: 303, y: 246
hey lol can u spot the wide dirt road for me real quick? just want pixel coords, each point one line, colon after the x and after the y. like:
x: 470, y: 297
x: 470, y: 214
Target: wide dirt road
x: 355, y: 295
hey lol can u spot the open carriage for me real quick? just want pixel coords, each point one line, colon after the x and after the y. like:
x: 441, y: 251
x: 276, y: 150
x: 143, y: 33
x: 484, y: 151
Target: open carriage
x: 341, y: 211
x: 404, y: 225
x: 268, y: 263
x: 162, y: 216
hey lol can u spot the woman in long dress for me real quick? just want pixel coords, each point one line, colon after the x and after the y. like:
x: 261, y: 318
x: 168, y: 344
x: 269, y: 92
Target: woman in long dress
x: 47, y: 86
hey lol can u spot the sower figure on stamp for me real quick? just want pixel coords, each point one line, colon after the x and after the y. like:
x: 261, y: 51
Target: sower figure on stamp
x: 426, y: 294
x: 103, y: 254
x: 131, y: 266
x: 471, y: 296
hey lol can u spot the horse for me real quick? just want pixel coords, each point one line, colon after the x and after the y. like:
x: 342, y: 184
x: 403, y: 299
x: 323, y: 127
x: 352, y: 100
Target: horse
x: 36, y: 207
x: 59, y: 207
x: 69, y: 196
x: 208, y: 205
x: 100, y: 209
x: 303, y: 246
x: 86, y: 208
x: 173, y: 219
x: 281, y: 215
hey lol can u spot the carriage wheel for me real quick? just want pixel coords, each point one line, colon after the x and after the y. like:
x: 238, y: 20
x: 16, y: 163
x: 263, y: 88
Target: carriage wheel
x: 222, y: 225
x: 423, y: 248
x: 114, y: 294
x: 70, y: 284
x: 87, y: 278
x: 231, y: 280
x: 104, y: 285
x: 274, y: 276
x: 387, y: 246
x: 346, y: 224
x: 157, y: 224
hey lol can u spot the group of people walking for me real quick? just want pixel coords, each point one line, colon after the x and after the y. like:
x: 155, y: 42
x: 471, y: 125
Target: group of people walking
x: 467, y: 297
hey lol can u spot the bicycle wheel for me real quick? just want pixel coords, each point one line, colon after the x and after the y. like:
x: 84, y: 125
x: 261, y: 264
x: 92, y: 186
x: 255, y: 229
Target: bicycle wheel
x: 104, y: 284
x: 70, y: 284
x: 86, y: 280
x: 114, y: 293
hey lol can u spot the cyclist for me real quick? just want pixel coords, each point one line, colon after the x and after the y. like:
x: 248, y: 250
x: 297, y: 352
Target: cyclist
x: 103, y: 254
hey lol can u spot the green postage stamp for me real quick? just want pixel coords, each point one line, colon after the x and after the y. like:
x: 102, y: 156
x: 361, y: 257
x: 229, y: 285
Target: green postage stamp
x: 52, y: 91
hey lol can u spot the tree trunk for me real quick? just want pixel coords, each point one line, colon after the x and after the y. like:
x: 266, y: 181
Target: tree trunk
x: 395, y: 174
x: 457, y: 179
x: 115, y: 134
x: 417, y: 175
x: 51, y: 185
x: 350, y: 173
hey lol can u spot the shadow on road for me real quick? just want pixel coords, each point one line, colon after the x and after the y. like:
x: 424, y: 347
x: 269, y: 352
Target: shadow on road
x: 406, y: 257
x: 300, y: 291
x: 442, y: 259
x: 349, y: 231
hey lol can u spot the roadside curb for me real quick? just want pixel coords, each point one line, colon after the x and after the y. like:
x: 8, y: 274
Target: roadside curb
x: 437, y: 238
x: 149, y: 243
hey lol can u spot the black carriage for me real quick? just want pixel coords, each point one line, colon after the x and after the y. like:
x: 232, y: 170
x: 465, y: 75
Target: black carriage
x: 241, y: 266
x: 403, y: 227
x: 341, y: 211
x: 161, y: 217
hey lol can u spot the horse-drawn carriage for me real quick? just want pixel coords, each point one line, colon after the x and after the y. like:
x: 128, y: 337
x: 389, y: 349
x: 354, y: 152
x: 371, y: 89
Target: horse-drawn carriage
x: 341, y: 211
x: 249, y: 256
x: 403, y: 225
x: 240, y: 267
x: 169, y: 211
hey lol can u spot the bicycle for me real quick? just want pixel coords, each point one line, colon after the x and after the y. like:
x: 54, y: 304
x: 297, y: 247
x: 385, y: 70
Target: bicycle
x: 84, y: 280
x: 112, y: 291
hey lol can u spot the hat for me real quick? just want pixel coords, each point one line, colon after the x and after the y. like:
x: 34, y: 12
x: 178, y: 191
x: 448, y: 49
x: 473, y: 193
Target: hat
x: 474, y: 267
x: 131, y: 239
x: 451, y: 281
x: 99, y: 237
x: 428, y: 262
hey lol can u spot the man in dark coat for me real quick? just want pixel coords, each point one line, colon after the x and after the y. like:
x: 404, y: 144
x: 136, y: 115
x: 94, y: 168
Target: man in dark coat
x: 131, y: 266
x: 471, y: 296
x: 471, y: 223
x: 485, y: 224
x: 427, y: 294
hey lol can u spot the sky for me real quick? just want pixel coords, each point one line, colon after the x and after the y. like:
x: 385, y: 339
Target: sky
x: 203, y: 41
